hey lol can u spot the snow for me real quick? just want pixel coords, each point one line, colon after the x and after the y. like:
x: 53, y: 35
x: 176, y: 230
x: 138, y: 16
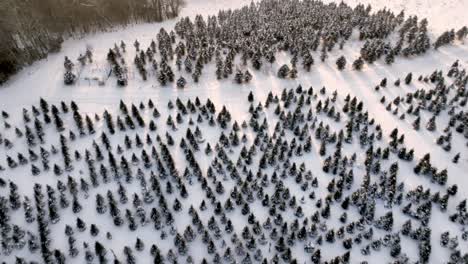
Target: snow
x: 443, y: 14
x: 45, y: 79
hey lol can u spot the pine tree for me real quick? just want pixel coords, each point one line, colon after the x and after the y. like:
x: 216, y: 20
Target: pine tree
x: 239, y: 76
x: 69, y: 77
x: 181, y: 82
x: 257, y: 61
x: 307, y: 61
x: 341, y: 63
x: 408, y: 78
x: 139, y: 245
x: 358, y: 64
x: 283, y: 71
x: 14, y: 197
x: 247, y: 76
x: 431, y: 124
x: 293, y: 73
x: 462, y: 33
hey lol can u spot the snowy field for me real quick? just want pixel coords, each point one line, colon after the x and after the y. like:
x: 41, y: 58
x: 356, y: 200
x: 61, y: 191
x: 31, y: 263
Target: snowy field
x: 44, y: 79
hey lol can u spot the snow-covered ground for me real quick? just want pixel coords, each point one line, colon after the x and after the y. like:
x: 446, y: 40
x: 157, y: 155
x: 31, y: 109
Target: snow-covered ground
x: 45, y: 79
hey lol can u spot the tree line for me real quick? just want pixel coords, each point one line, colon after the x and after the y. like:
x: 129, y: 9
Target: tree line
x: 31, y: 29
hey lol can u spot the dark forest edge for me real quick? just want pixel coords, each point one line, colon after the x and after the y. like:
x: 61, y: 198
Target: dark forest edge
x: 32, y: 29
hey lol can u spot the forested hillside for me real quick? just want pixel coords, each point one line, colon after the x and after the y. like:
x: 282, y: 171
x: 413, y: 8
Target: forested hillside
x: 31, y: 29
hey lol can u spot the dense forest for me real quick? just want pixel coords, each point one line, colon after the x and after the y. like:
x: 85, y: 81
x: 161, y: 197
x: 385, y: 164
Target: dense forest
x: 30, y: 29
x: 259, y: 32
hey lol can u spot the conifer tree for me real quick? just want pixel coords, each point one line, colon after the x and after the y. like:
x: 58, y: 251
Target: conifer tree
x: 341, y: 63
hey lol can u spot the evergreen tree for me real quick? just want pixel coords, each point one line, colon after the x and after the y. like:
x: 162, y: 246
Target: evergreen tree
x: 341, y: 63
x: 181, y: 82
x: 283, y: 71
x: 358, y: 64
x: 408, y: 78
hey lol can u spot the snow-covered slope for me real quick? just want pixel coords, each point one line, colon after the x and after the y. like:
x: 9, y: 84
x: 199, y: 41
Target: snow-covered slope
x: 44, y: 79
x: 445, y: 14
